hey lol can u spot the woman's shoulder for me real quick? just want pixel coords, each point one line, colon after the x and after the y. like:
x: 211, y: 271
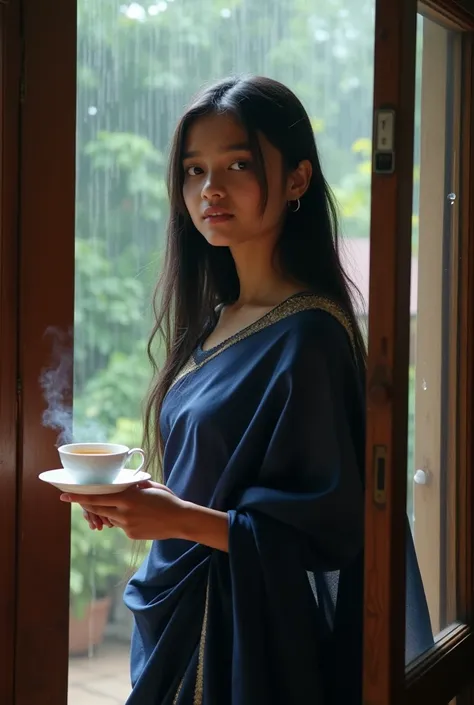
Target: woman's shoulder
x: 317, y: 324
x: 315, y: 344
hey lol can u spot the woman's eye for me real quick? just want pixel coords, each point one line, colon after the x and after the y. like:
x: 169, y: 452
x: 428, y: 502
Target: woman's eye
x: 239, y: 165
x: 193, y: 170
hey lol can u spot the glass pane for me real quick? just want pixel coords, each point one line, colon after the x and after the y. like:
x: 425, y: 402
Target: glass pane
x: 432, y: 452
x: 138, y: 65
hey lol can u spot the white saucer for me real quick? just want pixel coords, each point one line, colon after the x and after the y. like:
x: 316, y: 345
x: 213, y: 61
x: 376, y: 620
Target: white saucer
x: 62, y: 480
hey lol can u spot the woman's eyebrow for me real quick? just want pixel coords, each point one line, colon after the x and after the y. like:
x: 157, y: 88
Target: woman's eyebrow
x: 237, y: 147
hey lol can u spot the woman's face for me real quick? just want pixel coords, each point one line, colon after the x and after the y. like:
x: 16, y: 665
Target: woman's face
x: 221, y: 189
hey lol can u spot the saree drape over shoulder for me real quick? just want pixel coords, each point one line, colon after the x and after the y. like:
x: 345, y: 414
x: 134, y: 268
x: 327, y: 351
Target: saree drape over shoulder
x: 269, y: 427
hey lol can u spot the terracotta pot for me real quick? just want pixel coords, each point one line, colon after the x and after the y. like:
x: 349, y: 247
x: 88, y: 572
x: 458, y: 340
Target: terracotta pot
x: 89, y: 631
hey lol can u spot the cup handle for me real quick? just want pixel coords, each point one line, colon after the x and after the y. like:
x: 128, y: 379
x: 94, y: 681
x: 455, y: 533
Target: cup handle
x: 132, y: 452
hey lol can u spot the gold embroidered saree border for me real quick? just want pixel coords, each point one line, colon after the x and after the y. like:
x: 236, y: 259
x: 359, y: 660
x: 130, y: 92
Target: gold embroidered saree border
x: 199, y: 685
x: 296, y: 304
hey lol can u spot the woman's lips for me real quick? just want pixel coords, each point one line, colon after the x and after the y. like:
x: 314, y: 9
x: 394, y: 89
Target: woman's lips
x: 218, y: 218
x: 214, y: 214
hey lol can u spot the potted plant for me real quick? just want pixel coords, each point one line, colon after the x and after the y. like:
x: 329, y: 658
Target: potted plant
x: 100, y: 560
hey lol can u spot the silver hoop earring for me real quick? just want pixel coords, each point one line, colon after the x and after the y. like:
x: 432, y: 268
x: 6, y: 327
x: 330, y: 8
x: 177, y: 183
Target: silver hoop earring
x: 296, y: 208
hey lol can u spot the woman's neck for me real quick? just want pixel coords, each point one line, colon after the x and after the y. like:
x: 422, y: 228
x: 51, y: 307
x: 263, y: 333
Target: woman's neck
x: 260, y: 280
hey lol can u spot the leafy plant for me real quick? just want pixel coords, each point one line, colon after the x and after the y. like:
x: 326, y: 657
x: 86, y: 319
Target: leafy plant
x: 100, y: 560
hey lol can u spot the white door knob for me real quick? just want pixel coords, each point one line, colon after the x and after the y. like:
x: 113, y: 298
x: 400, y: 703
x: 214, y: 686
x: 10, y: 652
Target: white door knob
x: 421, y: 477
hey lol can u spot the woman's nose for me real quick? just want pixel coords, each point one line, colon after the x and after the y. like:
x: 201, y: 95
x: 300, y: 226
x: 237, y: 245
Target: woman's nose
x: 213, y: 187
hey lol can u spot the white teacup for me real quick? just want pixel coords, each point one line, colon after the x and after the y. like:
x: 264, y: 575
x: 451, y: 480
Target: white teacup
x: 96, y: 463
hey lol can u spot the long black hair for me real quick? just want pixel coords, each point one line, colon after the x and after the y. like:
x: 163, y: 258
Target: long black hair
x: 197, y: 276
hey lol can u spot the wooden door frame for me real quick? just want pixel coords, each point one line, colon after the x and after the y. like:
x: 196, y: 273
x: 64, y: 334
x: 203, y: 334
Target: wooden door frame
x: 46, y: 271
x: 10, y: 77
x: 446, y: 669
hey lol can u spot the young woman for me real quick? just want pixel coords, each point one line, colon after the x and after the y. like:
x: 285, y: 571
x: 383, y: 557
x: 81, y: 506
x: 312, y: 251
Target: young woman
x: 251, y: 593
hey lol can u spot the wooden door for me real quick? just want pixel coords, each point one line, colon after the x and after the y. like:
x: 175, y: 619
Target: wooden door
x: 419, y: 389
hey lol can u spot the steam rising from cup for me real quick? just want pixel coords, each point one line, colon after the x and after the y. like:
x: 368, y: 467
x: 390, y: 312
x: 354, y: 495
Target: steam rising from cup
x: 56, y: 384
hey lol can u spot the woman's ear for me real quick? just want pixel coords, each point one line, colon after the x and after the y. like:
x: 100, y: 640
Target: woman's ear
x: 298, y: 180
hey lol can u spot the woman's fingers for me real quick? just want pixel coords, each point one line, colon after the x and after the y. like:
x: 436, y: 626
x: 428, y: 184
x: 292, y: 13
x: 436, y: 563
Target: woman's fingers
x: 87, y: 517
x: 93, y: 520
x: 96, y: 521
x: 151, y: 483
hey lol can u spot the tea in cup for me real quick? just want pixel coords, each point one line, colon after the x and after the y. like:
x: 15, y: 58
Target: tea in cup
x: 96, y: 463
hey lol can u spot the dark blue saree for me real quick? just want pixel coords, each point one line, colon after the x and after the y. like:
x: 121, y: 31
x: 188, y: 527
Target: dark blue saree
x: 269, y: 427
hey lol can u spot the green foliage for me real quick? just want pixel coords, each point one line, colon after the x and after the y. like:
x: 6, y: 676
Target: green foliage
x: 136, y: 168
x: 128, y: 431
x: 107, y: 304
x: 99, y: 561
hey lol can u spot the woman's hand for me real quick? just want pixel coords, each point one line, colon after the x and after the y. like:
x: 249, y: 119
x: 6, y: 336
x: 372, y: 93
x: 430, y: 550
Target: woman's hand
x: 95, y: 521
x: 151, y: 511
x: 147, y: 511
